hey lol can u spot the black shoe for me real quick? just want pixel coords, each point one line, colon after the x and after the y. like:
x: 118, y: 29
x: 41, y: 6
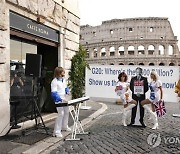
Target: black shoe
x: 15, y: 127
x: 143, y: 125
x: 130, y: 125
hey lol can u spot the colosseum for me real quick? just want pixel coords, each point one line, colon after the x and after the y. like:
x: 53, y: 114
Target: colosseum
x: 133, y: 41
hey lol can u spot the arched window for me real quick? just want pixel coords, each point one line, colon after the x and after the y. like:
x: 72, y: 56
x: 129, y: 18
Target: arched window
x: 151, y: 29
x: 171, y: 50
x: 151, y: 50
x: 111, y: 64
x: 131, y: 50
x: 121, y: 64
x: 103, y: 52
x: 171, y: 64
x: 130, y: 64
x: 111, y: 32
x: 87, y: 53
x: 95, y: 52
x: 161, y: 50
x: 121, y: 50
x: 151, y: 64
x: 161, y: 64
x: 140, y: 50
x: 141, y: 63
x: 112, y: 51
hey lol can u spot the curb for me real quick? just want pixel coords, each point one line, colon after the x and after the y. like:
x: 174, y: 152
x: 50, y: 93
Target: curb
x: 51, y: 143
x: 31, y: 123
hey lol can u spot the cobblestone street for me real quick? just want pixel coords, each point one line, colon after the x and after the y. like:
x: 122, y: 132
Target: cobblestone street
x: 107, y: 135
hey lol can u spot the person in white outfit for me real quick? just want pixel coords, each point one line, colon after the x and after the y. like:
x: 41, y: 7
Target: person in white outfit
x: 155, y: 87
x: 122, y: 90
x: 59, y: 90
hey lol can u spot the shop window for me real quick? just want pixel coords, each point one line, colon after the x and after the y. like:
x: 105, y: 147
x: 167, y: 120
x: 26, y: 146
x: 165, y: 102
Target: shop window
x: 19, y: 83
x: 18, y: 50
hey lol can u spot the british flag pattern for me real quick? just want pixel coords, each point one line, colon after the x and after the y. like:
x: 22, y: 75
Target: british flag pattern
x: 160, y: 108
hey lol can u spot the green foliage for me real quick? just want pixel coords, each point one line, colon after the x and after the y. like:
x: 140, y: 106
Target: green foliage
x: 77, y: 73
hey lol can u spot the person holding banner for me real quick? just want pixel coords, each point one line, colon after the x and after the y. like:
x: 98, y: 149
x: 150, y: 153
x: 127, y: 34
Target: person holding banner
x: 155, y: 87
x: 177, y: 88
x: 139, y: 87
x: 122, y: 90
x: 59, y: 90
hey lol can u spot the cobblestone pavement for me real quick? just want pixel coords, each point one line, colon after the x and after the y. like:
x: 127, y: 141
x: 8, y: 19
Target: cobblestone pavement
x: 109, y: 136
x: 17, y: 143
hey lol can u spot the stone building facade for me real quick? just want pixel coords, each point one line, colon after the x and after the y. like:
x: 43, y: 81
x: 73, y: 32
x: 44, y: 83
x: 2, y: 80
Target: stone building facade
x: 42, y: 18
x: 133, y: 41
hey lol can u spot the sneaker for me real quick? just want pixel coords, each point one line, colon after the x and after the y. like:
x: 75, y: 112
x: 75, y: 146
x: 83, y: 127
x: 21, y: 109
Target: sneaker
x: 66, y: 129
x: 57, y: 135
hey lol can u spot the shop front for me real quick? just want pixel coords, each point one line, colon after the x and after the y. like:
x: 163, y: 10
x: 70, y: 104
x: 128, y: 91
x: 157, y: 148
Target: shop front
x: 30, y: 37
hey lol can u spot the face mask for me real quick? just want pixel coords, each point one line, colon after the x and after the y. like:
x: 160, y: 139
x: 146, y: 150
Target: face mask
x: 138, y: 72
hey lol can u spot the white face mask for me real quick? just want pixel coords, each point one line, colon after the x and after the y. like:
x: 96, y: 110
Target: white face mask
x: 138, y: 72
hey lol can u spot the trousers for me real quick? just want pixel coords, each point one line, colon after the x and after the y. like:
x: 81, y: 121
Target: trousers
x: 61, y: 120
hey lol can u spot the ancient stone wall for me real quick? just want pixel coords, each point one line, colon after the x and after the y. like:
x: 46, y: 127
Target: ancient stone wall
x: 4, y: 66
x: 134, y: 41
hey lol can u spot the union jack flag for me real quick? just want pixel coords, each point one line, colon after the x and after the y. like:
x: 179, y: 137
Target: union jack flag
x: 160, y: 108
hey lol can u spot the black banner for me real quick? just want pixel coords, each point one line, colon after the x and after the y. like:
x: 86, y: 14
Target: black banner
x: 29, y: 26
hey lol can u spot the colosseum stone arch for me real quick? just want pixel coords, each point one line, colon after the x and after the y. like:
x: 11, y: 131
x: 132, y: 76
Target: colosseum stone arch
x: 133, y: 41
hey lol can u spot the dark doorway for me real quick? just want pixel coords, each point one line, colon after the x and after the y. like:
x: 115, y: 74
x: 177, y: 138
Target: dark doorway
x: 49, y: 62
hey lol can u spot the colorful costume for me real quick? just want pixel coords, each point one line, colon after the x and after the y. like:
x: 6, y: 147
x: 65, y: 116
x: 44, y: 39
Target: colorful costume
x: 154, y: 91
x: 121, y: 90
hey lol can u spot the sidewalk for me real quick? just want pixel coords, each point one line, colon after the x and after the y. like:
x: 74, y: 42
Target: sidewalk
x: 36, y: 140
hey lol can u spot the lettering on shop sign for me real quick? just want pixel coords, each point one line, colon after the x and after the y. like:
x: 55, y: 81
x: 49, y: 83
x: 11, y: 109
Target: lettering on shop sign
x: 37, y: 29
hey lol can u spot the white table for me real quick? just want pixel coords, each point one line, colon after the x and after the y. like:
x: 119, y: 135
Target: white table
x: 74, y: 106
